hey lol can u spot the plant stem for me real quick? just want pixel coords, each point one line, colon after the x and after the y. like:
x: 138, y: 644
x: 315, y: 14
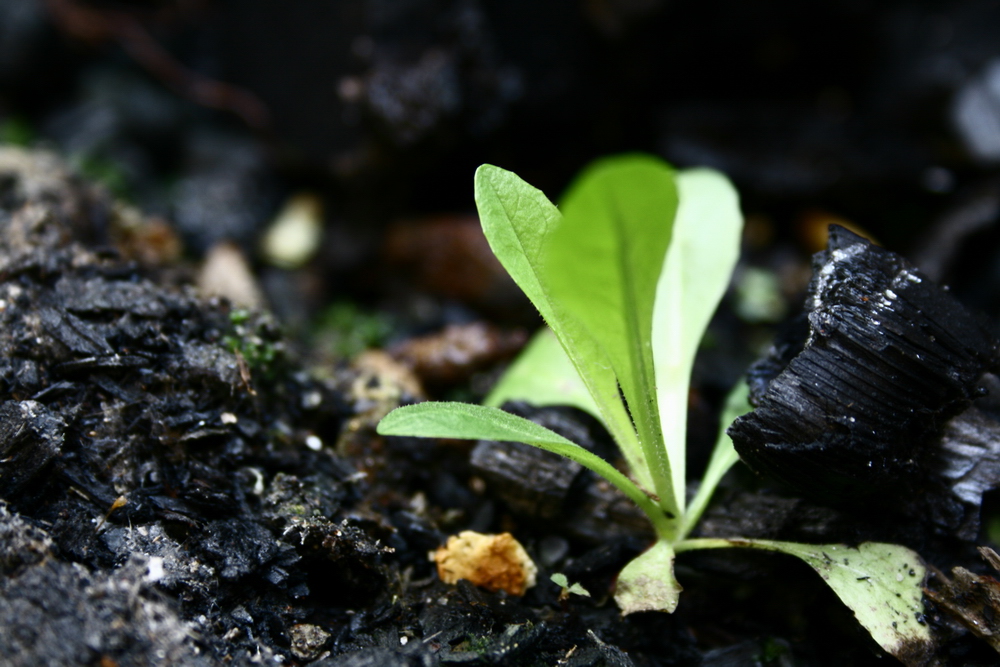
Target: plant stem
x: 709, y: 543
x: 665, y: 527
x: 722, y: 460
x: 724, y: 456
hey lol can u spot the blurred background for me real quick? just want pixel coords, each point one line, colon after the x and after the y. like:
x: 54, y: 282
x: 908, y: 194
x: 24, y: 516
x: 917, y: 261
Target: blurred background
x: 326, y: 149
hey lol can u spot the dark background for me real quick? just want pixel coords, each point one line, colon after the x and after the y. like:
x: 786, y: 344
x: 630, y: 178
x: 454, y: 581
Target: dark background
x: 211, y: 113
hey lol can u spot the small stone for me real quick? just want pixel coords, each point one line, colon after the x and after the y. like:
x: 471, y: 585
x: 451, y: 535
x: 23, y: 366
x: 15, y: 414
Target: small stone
x: 307, y: 640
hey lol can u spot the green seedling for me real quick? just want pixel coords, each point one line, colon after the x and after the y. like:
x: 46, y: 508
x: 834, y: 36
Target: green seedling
x: 254, y: 339
x: 560, y: 580
x: 627, y: 275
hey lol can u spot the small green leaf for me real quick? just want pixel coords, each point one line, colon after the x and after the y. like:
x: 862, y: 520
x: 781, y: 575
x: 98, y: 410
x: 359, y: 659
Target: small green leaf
x: 478, y: 422
x: 696, y: 271
x: 603, y: 263
x: 543, y: 375
x: 559, y: 579
x: 647, y: 583
x: 435, y: 419
x: 881, y: 583
x: 519, y: 221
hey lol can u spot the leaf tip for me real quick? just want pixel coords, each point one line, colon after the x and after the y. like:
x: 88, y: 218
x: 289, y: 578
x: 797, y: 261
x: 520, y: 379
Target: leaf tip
x: 389, y: 425
x: 485, y: 172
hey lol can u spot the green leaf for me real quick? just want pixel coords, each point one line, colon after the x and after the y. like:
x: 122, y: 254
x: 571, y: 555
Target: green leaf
x: 443, y: 419
x: 603, y: 263
x: 543, y: 375
x: 724, y: 455
x: 881, y: 583
x: 647, y: 583
x: 559, y: 579
x: 696, y: 271
x: 478, y: 422
x: 518, y: 221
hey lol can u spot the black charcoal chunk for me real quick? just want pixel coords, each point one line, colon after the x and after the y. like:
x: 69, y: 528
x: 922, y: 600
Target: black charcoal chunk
x: 237, y: 547
x: 98, y: 295
x: 598, y: 512
x: 541, y: 485
x: 969, y: 457
x: 30, y: 438
x: 58, y: 613
x: 859, y: 404
x: 748, y: 652
x: 531, y: 481
x: 79, y: 336
x: 21, y: 544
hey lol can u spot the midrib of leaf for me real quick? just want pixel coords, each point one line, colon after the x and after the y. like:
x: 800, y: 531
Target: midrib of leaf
x: 531, y: 259
x: 607, y: 281
x: 672, y: 403
x: 641, y: 397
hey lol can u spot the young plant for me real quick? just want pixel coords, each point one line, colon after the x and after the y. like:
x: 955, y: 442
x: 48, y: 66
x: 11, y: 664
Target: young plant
x: 627, y: 275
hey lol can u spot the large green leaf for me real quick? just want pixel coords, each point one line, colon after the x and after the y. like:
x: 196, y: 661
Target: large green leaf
x: 881, y: 583
x: 603, y: 263
x: 519, y: 221
x: 478, y: 422
x: 696, y: 271
x: 543, y: 375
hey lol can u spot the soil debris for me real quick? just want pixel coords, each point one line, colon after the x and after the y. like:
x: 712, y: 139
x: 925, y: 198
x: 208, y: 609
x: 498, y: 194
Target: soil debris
x: 451, y: 356
x: 973, y: 599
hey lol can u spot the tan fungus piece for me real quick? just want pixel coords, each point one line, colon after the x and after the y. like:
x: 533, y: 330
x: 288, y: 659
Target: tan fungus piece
x: 493, y: 562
